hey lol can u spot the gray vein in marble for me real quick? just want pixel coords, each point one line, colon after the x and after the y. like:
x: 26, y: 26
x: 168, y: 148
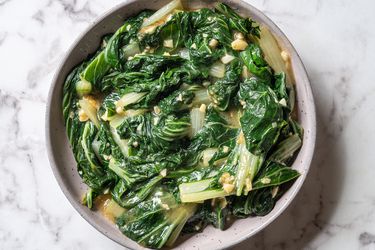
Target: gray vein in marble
x: 10, y: 101
x: 366, y: 238
x: 39, y: 16
x: 29, y: 97
x: 39, y: 71
x: 43, y: 217
x: 6, y: 236
x: 3, y: 36
x: 10, y: 194
x: 338, y: 117
x: 3, y: 2
x: 84, y: 14
x: 15, y: 143
x: 25, y: 37
x: 39, y: 218
x: 364, y: 99
x: 319, y: 5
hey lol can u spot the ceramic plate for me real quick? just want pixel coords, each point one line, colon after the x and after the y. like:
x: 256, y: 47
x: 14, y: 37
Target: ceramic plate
x: 64, y: 165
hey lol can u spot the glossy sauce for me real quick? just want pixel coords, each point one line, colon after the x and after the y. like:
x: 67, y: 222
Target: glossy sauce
x: 101, y: 204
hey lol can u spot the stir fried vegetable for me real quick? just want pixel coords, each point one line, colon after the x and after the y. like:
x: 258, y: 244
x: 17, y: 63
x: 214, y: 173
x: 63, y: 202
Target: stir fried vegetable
x: 183, y: 118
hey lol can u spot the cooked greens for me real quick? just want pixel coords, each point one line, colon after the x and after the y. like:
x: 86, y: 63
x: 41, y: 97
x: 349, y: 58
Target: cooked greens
x: 185, y: 119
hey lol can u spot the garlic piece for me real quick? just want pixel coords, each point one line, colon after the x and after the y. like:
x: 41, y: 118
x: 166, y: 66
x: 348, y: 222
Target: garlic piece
x: 168, y: 43
x: 163, y: 172
x: 239, y: 44
x: 157, y: 110
x: 82, y: 116
x: 238, y: 35
x: 165, y: 206
x: 202, y: 108
x: 265, y: 180
x: 283, y: 102
x: 120, y: 111
x: 228, y: 188
x: 284, y: 56
x: 213, y: 43
x: 227, y: 59
x: 93, y: 102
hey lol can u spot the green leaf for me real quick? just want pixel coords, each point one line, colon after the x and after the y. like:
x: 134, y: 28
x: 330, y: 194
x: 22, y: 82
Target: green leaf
x: 236, y: 22
x: 223, y: 90
x: 262, y: 117
x: 136, y: 194
x: 154, y: 221
x: 286, y: 149
x: 257, y: 203
x: 253, y: 58
x: 110, y: 56
x: 274, y: 175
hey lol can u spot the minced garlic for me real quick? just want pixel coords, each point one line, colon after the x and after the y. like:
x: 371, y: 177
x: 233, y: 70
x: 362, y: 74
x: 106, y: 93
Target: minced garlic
x: 238, y: 35
x: 213, y: 43
x: 157, y: 110
x: 239, y: 44
x: 284, y: 55
x: 241, y: 138
x: 202, y: 108
x: 163, y: 172
x: 93, y: 102
x: 165, y: 206
x: 228, y: 188
x: 168, y: 43
x: 82, y: 116
x: 120, y: 111
x: 265, y: 180
x: 283, y: 102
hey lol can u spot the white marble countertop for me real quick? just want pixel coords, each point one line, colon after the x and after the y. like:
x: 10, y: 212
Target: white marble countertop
x: 334, y: 210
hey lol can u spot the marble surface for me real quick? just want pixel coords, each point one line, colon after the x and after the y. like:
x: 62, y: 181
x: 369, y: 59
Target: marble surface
x: 335, y: 208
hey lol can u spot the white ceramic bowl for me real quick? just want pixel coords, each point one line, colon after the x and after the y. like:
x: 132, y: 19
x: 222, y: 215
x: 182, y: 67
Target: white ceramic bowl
x: 64, y: 165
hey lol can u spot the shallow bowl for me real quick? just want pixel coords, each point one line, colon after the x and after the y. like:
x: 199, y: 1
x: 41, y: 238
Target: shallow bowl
x: 64, y: 165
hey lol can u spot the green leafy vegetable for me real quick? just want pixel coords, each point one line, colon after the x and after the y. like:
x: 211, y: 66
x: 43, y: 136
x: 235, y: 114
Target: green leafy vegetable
x: 275, y: 175
x: 236, y: 22
x: 254, y: 61
x: 110, y: 56
x: 257, y: 203
x: 176, y: 127
x: 156, y: 221
x: 262, y: 118
x: 223, y: 90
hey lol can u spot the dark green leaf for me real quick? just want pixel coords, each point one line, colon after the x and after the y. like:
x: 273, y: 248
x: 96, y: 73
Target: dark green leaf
x: 274, y: 175
x: 262, y: 117
x: 253, y: 59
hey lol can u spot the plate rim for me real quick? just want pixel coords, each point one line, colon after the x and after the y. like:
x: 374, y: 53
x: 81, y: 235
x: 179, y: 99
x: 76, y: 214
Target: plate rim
x: 307, y: 161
